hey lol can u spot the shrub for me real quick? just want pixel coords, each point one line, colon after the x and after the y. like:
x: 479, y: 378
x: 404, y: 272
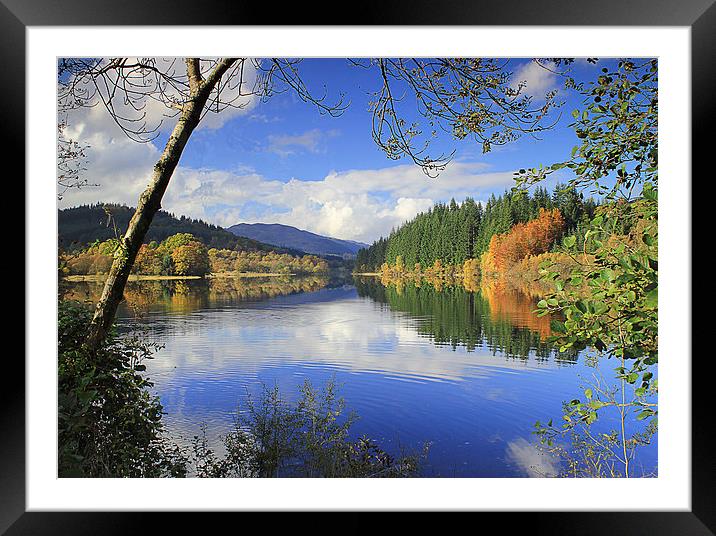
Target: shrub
x: 108, y: 423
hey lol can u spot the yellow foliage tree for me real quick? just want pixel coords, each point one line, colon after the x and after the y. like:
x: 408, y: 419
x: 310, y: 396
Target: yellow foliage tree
x: 191, y: 258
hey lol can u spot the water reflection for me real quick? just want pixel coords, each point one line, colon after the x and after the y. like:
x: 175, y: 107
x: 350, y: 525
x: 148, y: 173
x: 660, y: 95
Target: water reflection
x: 496, y: 315
x: 186, y: 296
x: 531, y: 460
x: 219, y: 327
x: 467, y: 371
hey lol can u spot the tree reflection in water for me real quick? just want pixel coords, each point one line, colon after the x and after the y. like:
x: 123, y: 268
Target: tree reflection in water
x: 492, y: 314
x: 186, y: 296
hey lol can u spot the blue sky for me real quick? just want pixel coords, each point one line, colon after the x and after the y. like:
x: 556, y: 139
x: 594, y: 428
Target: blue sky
x: 296, y: 133
x: 281, y: 161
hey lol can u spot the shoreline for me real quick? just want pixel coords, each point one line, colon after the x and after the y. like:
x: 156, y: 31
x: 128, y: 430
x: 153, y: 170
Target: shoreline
x: 132, y: 277
x: 218, y: 275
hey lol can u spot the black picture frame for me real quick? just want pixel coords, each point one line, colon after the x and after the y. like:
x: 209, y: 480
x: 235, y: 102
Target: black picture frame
x: 17, y: 15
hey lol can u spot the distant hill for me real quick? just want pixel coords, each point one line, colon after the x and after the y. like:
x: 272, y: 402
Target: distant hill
x: 287, y: 236
x: 83, y: 225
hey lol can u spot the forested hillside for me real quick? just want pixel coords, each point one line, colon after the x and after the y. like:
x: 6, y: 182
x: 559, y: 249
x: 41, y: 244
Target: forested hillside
x: 453, y: 233
x: 183, y: 255
x: 86, y: 224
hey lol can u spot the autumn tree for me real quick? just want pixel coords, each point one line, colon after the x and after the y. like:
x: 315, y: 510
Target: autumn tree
x: 191, y: 259
x: 169, y: 244
x: 523, y: 240
x: 148, y: 261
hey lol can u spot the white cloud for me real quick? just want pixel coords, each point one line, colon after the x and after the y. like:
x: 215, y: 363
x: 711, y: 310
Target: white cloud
x: 338, y: 334
x: 408, y: 207
x: 533, y: 462
x: 351, y: 204
x: 357, y: 204
x: 263, y: 118
x: 538, y: 80
x: 311, y: 141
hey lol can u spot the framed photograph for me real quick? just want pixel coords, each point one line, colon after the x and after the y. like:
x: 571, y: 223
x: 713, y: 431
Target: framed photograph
x: 406, y: 264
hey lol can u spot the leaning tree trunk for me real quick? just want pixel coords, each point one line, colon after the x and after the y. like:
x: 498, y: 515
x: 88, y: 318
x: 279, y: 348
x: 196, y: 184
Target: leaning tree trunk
x: 151, y: 199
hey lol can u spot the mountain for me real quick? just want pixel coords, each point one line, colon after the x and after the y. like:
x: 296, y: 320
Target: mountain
x: 85, y: 224
x: 287, y: 236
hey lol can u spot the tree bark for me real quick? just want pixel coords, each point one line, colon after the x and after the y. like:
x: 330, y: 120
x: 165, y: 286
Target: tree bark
x: 150, y: 200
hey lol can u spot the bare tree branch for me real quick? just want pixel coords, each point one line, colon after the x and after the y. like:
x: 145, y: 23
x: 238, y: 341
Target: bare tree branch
x: 466, y: 97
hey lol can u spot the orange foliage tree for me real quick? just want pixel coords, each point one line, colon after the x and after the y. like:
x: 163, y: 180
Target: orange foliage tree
x: 524, y: 240
x: 148, y: 261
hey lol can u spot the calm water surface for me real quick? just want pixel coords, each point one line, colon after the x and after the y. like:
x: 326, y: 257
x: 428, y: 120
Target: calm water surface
x: 465, y: 371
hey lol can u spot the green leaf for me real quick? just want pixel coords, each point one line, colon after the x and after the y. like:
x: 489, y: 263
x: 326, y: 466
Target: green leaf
x: 558, y: 326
